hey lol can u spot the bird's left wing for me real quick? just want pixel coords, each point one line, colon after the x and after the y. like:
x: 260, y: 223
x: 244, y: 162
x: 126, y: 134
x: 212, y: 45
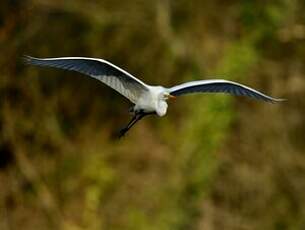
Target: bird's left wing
x: 219, y: 86
x: 111, y: 75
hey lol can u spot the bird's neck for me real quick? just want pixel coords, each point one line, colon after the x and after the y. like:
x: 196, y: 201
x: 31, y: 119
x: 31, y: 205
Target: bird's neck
x: 161, y: 108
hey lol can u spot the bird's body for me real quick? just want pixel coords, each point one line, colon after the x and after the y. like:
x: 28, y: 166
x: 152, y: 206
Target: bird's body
x: 147, y: 99
x: 152, y: 101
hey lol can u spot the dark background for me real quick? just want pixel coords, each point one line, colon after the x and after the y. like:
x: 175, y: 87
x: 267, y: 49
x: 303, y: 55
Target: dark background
x: 214, y: 162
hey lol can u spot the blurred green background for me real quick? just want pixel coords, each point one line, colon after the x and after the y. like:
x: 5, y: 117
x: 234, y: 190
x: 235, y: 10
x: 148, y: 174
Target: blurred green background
x: 214, y: 162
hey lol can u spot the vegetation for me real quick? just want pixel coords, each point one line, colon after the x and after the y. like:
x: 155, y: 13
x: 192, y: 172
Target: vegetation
x: 214, y: 162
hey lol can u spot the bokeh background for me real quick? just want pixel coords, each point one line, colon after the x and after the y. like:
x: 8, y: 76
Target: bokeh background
x: 214, y: 162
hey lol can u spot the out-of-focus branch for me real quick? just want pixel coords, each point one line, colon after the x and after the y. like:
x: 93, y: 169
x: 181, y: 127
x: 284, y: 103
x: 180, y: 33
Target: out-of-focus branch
x: 28, y: 171
x: 164, y: 24
x: 91, y: 12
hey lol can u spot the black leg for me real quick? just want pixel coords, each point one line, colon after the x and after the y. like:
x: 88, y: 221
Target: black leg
x: 126, y: 128
x: 137, y: 117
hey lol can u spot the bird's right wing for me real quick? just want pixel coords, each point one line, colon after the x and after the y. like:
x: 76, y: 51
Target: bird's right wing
x: 111, y: 75
x: 219, y: 86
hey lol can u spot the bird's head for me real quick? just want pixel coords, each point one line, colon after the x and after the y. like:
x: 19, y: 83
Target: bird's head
x: 166, y: 96
x: 163, y: 96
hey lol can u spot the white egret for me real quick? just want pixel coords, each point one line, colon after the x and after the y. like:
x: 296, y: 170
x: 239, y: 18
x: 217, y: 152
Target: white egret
x: 147, y: 99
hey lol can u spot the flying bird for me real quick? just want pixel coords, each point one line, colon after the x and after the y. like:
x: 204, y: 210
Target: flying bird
x: 147, y: 99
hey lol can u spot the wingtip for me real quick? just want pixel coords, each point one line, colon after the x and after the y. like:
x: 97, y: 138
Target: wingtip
x: 27, y: 59
x: 278, y: 100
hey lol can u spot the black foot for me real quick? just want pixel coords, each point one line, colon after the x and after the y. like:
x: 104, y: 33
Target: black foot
x: 122, y: 132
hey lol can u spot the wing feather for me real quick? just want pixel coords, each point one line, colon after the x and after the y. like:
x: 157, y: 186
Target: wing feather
x: 220, y: 86
x: 102, y: 70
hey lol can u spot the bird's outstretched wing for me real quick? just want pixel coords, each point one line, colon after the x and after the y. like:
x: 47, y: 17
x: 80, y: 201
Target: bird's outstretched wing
x: 113, y: 76
x: 219, y: 86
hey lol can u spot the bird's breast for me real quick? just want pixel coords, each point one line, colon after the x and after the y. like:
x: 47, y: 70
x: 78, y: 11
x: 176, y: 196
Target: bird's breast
x: 152, y: 102
x: 146, y: 103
